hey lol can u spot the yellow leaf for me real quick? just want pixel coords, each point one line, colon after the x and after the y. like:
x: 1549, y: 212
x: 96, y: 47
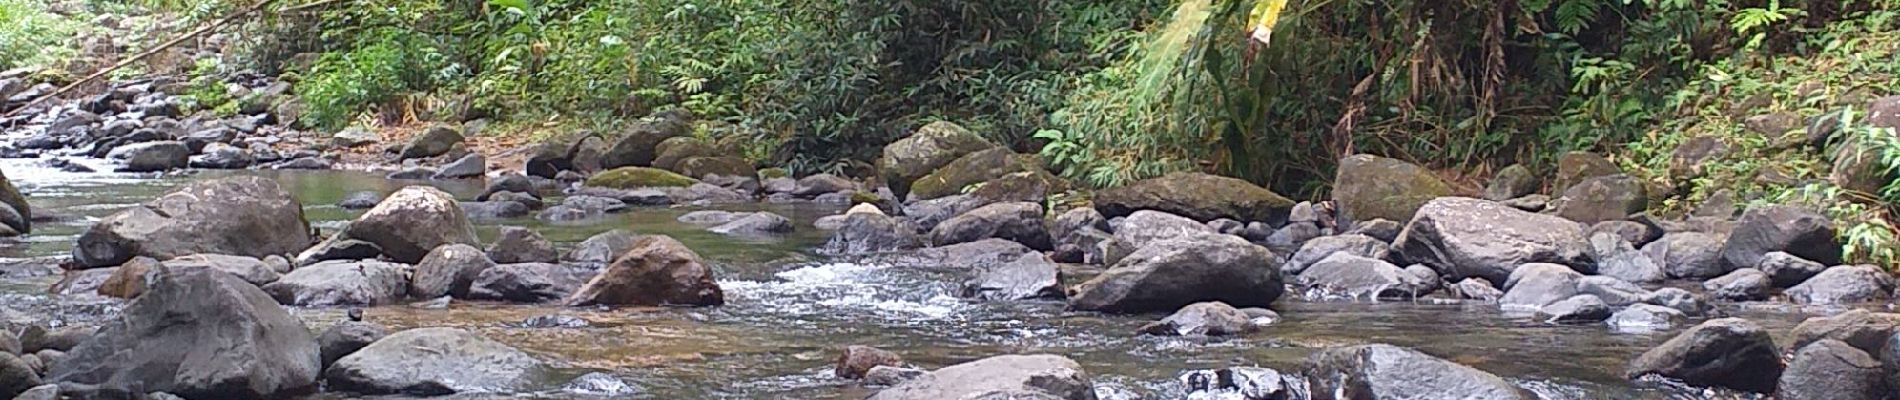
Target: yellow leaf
x: 1260, y: 21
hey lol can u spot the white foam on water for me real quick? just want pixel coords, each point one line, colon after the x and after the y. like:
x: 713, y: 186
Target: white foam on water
x: 832, y: 288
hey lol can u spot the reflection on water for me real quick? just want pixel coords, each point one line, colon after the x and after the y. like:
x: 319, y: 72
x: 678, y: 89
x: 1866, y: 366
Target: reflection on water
x: 789, y: 311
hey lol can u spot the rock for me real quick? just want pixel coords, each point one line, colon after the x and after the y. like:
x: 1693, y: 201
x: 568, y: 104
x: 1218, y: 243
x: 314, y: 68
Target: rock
x: 1787, y: 229
x: 602, y: 248
x: 1577, y: 309
x: 1369, y: 187
x: 1603, y: 198
x: 1321, y: 248
x: 1379, y: 371
x: 1531, y: 203
x: 1030, y: 275
x: 347, y: 337
x: 1613, y: 291
x: 757, y: 224
x: 1686, y: 160
x: 467, y: 167
x: 962, y: 257
x: 555, y: 321
x: 342, y: 283
x: 657, y: 270
x: 671, y: 152
x: 1242, y: 383
x: 820, y: 184
x: 449, y: 270
x: 1860, y: 328
x: 1678, y: 299
x: 928, y: 213
x: 1066, y: 225
x: 529, y: 283
x: 1384, y: 230
x: 493, y: 210
x: 129, y: 280
x: 636, y: 147
x: 16, y: 376
x: 251, y: 270
x: 1203, y: 319
x: 1351, y: 277
x: 1576, y: 166
x: 1831, y: 370
x: 641, y: 197
x: 412, y: 222
x: 930, y: 148
x: 37, y: 339
x: 1172, y: 273
x: 829, y: 222
x: 600, y: 384
x: 153, y: 156
x: 1535, y: 285
x: 1139, y: 229
x: 1856, y: 168
x: 1847, y: 284
x: 1010, y: 376
x: 354, y: 137
x: 1033, y: 186
x: 508, y: 182
x: 528, y: 200
x: 885, y: 376
x: 971, y: 169
x: 245, y: 216
x: 1020, y: 222
x: 84, y: 282
x: 709, y: 168
x: 363, y: 200
x: 434, y: 141
x: 413, y: 173
x: 711, y: 217
x: 1643, y: 318
x: 197, y: 332
x: 595, y: 204
x: 433, y: 362
x: 10, y: 196
x: 307, y: 163
x: 1201, y: 197
x: 706, y: 193
x: 1746, y: 284
x: 856, y: 361
x: 1688, y: 255
x: 1787, y: 270
x: 515, y: 245
x: 221, y: 156
x: 347, y: 250
x: 1636, y: 233
x: 1727, y: 352
x: 864, y: 233
x: 1463, y: 237
x: 638, y: 177
x: 1511, y: 182
x: 1615, y: 257
x: 41, y: 392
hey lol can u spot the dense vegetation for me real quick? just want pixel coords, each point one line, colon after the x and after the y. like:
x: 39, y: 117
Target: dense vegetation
x: 1111, y: 91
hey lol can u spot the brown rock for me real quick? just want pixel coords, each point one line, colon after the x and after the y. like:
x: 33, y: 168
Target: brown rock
x: 858, y: 360
x: 656, y: 270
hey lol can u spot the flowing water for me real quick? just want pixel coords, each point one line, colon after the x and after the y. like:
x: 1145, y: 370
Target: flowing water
x: 789, y: 311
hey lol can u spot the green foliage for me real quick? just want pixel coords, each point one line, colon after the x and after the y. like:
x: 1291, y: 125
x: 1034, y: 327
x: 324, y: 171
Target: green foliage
x: 379, y: 70
x: 31, y: 36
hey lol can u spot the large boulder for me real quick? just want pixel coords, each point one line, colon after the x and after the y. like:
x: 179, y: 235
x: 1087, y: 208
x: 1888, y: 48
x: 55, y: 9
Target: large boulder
x: 1511, y: 182
x: 529, y: 283
x: 602, y: 248
x: 1847, y: 284
x: 638, y: 177
x: 1038, y: 376
x: 1147, y: 226
x: 347, y: 337
x: 867, y: 233
x: 10, y: 196
x: 1832, y: 370
x: 1860, y: 328
x: 923, y: 152
x: 411, y: 223
x: 251, y: 270
x: 1168, y: 274
x: 1378, y: 371
x: 635, y: 148
x: 1728, y: 352
x: 1787, y: 229
x: 669, y: 154
x: 1199, y: 196
x: 755, y: 225
x: 707, y: 167
x: 1689, y: 255
x: 1320, y: 248
x: 1787, y: 270
x: 1603, y: 198
x: 434, y: 362
x: 516, y: 245
x: 198, y: 333
x: 1464, y: 237
x: 1351, y: 277
x: 342, y: 283
x: 1030, y: 275
x: 449, y: 269
x: 928, y: 213
x: 1616, y: 257
x: 1019, y: 222
x: 1369, y: 187
x: 247, y: 216
x: 1746, y: 284
x: 17, y: 377
x: 971, y: 169
x: 437, y: 140
x: 153, y: 156
x: 1535, y: 285
x: 1031, y: 186
x: 1577, y: 166
x: 657, y: 270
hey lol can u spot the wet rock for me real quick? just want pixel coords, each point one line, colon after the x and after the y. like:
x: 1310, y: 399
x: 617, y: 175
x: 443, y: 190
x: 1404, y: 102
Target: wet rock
x: 931, y: 147
x: 865, y: 233
x: 1641, y: 318
x: 1727, y: 352
x: 1787, y: 270
x: 1172, y: 273
x: 515, y: 245
x: 1064, y: 227
x: 153, y: 156
x: 1746, y: 284
x: 363, y: 200
x: 600, y: 384
x: 468, y: 167
x: 1243, y: 383
x: 347, y: 337
x: 16, y: 376
x: 1203, y: 319
x: 1379, y: 371
x: 200, y: 333
x: 1384, y: 230
x: 1614, y: 291
x: 433, y: 362
x: 563, y: 213
x: 641, y: 197
x: 756, y: 224
x: 1678, y: 299
x: 493, y: 210
x: 412, y: 222
x: 1603, y: 198
x: 527, y: 200
x: 657, y: 270
x: 221, y: 156
x: 1787, y: 229
x: 856, y: 361
x: 1352, y: 277
x: 1616, y: 257
x: 1023, y: 376
x: 251, y: 270
x: 1020, y: 222
x: 11, y: 197
x: 437, y: 140
x: 1847, y: 284
x: 1321, y: 248
x: 1688, y: 255
x: 1201, y: 197
x: 344, y: 250
x: 1369, y: 187
x: 1577, y: 309
x: 1030, y: 275
x: 508, y: 182
x: 1511, y: 182
x: 247, y: 216
x: 529, y: 283
x: 1462, y: 237
x: 555, y: 321
x: 342, y: 283
x: 448, y: 270
x: 601, y: 248
x: 1535, y: 285
x: 820, y: 184
x: 1862, y: 329
x: 886, y: 376
x: 1475, y: 289
x: 705, y: 194
x: 1576, y: 167
x: 829, y: 222
x: 1832, y: 370
x: 962, y: 257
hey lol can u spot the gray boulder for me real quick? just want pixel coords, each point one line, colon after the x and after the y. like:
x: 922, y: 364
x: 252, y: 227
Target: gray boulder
x: 1603, y: 198
x: 1532, y: 286
x: 342, y: 283
x: 251, y: 270
x: 602, y: 248
x: 1511, y: 182
x: 1463, y: 237
x: 1019, y: 222
x: 347, y: 337
x: 1617, y: 257
x: 923, y: 152
x: 529, y: 283
x: 1474, y: 289
x: 1030, y: 275
x: 1847, y: 284
x: 434, y: 362
x: 1728, y: 352
x: 1351, y: 277
x: 1746, y: 284
x: 756, y: 224
x: 1369, y: 187
x: 1860, y: 328
x: 1832, y: 370
x: 1577, y: 309
x: 448, y: 270
x: 363, y: 200
x: 246, y: 216
x: 437, y: 140
x: 521, y: 245
x: 1203, y: 319
x: 1689, y: 255
x: 1645, y: 318
x: 1787, y: 270
x: 656, y: 270
x: 1172, y: 273
x: 1787, y: 229
x: 16, y: 376
x: 412, y: 222
x: 1201, y: 197
x: 870, y: 233
x: 1036, y: 376
x: 1321, y: 248
x: 1378, y: 371
x: 153, y: 156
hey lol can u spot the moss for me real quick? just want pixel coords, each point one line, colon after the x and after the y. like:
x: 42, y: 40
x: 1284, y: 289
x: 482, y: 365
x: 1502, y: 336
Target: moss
x: 864, y: 197
x: 637, y: 177
x: 774, y: 172
x: 972, y: 169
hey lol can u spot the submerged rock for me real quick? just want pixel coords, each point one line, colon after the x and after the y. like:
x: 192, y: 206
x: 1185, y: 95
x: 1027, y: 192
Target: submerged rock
x: 434, y: 362
x: 1011, y: 376
x: 1203, y: 319
x: 1727, y: 352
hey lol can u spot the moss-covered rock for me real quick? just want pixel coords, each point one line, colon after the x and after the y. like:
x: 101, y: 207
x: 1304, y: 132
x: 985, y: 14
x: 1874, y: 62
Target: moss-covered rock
x: 972, y: 169
x: 1371, y: 187
x: 1031, y: 186
x: 702, y: 167
x: 639, y: 145
x: 925, y: 151
x: 1511, y: 182
x: 673, y: 150
x: 11, y: 196
x: 864, y: 198
x: 774, y: 172
x: 638, y: 177
x: 434, y: 141
x: 1195, y: 195
x: 1603, y: 198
